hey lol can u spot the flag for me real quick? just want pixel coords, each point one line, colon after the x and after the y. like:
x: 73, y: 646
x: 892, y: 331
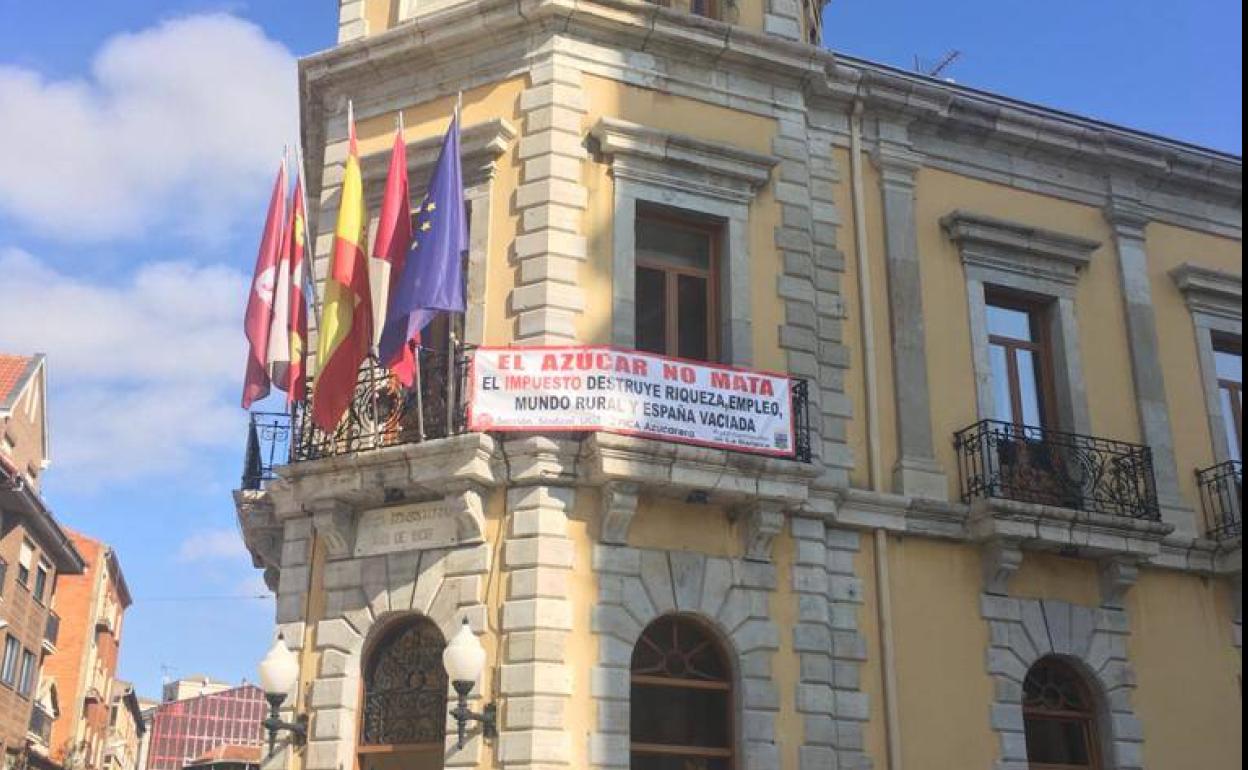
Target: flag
x: 394, y: 238
x: 345, y: 332
x: 432, y: 278
x: 257, y: 323
x: 277, y: 360
x: 297, y: 321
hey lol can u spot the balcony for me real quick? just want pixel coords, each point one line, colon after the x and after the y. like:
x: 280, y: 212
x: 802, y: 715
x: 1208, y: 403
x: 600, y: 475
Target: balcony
x: 51, y: 632
x: 1076, y: 494
x: 381, y: 414
x: 41, y: 725
x: 1220, y: 494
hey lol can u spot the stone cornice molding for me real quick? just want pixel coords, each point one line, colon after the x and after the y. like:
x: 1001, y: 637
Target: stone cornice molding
x: 1001, y: 245
x: 1210, y: 291
x: 480, y: 147
x: 668, y: 159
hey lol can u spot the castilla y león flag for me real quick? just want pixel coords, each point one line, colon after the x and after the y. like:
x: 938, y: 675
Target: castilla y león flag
x: 394, y: 237
x: 346, y: 329
x: 297, y: 322
x: 259, y: 318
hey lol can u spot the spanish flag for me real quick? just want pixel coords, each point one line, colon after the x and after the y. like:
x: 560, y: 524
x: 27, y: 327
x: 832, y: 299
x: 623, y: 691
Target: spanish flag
x: 346, y: 328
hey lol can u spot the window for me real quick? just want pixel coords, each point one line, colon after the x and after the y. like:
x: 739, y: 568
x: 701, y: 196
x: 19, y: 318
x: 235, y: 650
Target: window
x: 41, y: 582
x: 1228, y: 360
x: 1058, y: 718
x: 675, y: 286
x: 1018, y: 352
x: 403, y: 722
x: 707, y: 8
x: 681, y: 711
x: 8, y: 664
x: 26, y: 680
x: 25, y: 560
x: 4, y: 573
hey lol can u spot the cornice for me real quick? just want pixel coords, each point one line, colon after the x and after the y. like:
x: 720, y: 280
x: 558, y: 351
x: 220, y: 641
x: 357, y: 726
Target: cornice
x: 1210, y: 291
x: 998, y: 244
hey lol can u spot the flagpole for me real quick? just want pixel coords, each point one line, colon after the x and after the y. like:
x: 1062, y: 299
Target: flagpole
x: 307, y: 234
x: 451, y: 340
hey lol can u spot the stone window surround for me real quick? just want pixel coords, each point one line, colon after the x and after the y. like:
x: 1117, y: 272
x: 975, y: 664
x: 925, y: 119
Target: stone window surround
x: 481, y: 145
x: 1094, y: 640
x: 730, y: 596
x: 1215, y: 299
x: 676, y: 171
x: 1015, y: 256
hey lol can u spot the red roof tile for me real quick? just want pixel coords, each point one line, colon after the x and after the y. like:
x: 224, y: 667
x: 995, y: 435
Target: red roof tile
x: 11, y: 370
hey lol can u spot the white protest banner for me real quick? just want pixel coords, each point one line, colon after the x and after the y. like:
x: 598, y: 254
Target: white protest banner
x: 642, y: 394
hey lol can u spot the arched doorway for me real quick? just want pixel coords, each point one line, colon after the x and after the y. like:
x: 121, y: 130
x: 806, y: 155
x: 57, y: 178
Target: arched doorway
x: 403, y: 713
x: 1059, y: 716
x: 681, y: 698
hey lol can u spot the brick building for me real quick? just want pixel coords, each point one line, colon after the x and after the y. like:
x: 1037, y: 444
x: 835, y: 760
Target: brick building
x: 185, y: 730
x: 34, y: 552
x: 91, y: 606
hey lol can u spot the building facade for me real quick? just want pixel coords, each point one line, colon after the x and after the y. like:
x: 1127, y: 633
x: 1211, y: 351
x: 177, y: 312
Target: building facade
x: 92, y: 607
x: 1010, y: 536
x: 34, y: 553
x: 125, y: 729
x: 183, y: 731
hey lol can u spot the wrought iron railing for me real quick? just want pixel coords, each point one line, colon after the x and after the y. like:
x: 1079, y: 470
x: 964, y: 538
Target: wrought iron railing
x: 1001, y: 460
x: 1220, y: 495
x: 382, y: 413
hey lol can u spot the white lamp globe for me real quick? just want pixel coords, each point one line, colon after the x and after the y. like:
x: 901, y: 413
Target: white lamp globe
x: 464, y: 657
x: 279, y: 669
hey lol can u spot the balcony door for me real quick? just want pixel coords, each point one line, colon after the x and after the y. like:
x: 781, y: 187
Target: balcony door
x: 675, y: 290
x: 1019, y: 353
x: 403, y: 721
x: 1229, y: 361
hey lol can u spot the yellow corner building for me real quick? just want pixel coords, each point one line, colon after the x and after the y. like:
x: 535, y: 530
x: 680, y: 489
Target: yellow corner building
x: 1010, y: 534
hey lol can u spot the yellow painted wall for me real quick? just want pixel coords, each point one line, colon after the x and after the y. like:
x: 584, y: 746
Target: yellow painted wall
x: 1168, y: 247
x: 1188, y: 674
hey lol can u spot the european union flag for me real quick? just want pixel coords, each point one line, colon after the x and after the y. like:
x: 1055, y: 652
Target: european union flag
x: 433, y: 275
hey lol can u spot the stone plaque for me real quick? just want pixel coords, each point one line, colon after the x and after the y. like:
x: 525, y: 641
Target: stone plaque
x: 409, y: 527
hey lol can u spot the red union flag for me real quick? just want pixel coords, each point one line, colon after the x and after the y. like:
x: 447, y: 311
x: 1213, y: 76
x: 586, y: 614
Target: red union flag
x: 257, y: 323
x: 634, y: 393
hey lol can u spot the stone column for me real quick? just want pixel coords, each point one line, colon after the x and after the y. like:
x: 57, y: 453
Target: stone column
x: 1129, y: 221
x: 537, y: 617
x: 551, y: 201
x: 916, y: 473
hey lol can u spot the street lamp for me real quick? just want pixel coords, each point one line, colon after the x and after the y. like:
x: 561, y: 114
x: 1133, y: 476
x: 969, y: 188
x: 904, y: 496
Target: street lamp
x: 463, y: 659
x: 278, y: 672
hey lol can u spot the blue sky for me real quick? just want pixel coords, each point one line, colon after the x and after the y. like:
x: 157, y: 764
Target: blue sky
x: 141, y: 138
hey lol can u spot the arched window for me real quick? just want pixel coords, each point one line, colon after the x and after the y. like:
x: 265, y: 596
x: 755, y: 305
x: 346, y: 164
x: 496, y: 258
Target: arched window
x: 681, y: 709
x: 403, y: 719
x: 1059, y: 716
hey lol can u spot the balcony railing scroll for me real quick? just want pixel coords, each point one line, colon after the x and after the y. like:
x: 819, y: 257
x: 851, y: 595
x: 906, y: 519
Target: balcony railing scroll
x: 1067, y: 470
x: 382, y: 413
x: 1221, y: 488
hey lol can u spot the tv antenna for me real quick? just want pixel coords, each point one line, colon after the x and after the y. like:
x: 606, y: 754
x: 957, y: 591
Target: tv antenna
x: 938, y: 69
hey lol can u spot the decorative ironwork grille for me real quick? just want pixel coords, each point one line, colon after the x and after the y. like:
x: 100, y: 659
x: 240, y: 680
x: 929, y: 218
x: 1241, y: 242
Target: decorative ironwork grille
x: 382, y: 413
x: 405, y: 688
x: 1221, y: 494
x: 1067, y: 470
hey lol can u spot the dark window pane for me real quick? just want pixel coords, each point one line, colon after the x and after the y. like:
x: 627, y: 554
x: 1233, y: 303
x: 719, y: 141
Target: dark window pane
x: 661, y: 762
x: 651, y: 309
x: 661, y: 241
x: 1057, y: 741
x: 679, y: 716
x: 693, y: 307
x: 1008, y: 322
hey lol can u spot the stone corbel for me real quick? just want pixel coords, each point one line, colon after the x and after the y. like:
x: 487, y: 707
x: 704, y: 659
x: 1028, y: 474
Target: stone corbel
x: 1000, y: 559
x: 761, y: 522
x: 1117, y: 577
x: 262, y: 533
x: 334, y: 522
x: 619, y: 506
x: 468, y: 505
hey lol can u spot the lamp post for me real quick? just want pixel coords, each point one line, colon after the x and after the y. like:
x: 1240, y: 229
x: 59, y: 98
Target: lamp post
x: 278, y: 671
x: 463, y: 659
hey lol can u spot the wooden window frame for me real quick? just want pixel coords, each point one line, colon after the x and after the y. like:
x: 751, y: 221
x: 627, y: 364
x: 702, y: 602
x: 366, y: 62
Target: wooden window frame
x: 1087, y: 721
x: 1041, y: 349
x: 1235, y: 347
x: 729, y: 754
x: 671, y: 274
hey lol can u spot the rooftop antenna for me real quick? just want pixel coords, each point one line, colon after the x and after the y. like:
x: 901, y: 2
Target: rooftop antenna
x: 166, y: 671
x: 938, y: 69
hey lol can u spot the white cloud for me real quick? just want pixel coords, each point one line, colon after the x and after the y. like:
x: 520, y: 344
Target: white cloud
x: 213, y: 545
x: 144, y: 374
x: 178, y: 123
